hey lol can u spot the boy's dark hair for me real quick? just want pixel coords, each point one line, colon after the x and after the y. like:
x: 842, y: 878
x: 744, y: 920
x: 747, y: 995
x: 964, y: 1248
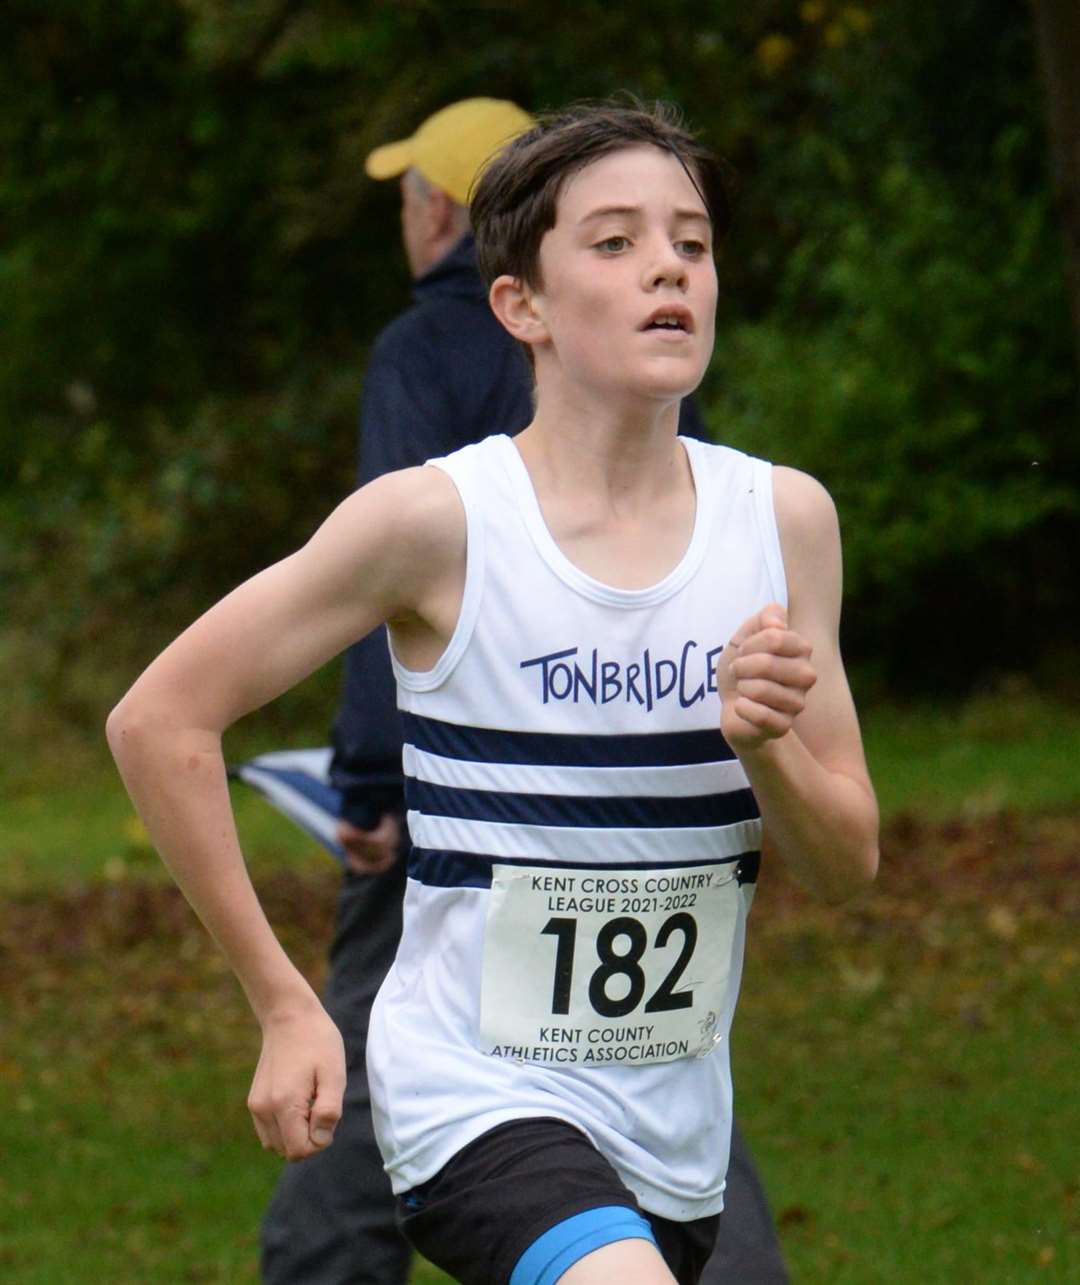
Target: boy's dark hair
x: 515, y: 199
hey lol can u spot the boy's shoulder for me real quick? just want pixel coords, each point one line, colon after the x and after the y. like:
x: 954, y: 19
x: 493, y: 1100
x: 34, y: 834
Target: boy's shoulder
x: 406, y: 517
x: 804, y: 511
x: 801, y: 498
x: 391, y: 540
x: 731, y: 469
x: 808, y: 528
x: 417, y: 499
x: 424, y: 503
x: 795, y: 493
x: 473, y: 458
x: 719, y: 454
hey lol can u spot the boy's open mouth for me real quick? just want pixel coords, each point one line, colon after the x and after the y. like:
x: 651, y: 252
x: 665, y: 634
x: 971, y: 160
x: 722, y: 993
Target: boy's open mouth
x: 677, y: 319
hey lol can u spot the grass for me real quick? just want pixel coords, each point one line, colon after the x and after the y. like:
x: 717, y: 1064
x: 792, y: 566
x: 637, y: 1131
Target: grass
x: 904, y: 1064
x: 66, y: 817
x: 1004, y: 750
x: 127, y: 1159
x: 87, y: 831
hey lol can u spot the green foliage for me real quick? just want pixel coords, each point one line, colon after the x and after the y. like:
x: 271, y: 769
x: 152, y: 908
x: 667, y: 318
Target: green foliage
x: 195, y: 266
x: 918, y: 362
x: 914, y: 352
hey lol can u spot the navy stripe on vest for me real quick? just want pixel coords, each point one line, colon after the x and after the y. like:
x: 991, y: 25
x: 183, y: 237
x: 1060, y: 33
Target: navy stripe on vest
x: 551, y: 749
x: 633, y: 812
x: 439, y: 869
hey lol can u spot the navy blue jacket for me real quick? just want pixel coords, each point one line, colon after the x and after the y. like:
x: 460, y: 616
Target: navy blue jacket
x: 443, y: 374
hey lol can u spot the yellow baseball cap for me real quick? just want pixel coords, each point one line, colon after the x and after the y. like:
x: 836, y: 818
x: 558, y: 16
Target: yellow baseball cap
x: 452, y: 147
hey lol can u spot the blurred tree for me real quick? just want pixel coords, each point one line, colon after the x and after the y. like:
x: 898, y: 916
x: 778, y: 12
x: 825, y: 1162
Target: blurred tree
x: 916, y: 352
x: 1058, y: 25
x: 194, y: 264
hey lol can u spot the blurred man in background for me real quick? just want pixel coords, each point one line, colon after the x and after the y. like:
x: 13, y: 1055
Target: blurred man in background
x: 442, y: 374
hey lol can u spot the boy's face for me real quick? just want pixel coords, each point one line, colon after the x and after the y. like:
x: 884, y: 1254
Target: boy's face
x: 629, y: 288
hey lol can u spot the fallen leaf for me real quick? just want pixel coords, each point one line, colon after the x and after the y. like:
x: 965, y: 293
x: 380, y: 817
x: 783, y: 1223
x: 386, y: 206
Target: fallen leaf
x: 1002, y: 922
x: 794, y: 1216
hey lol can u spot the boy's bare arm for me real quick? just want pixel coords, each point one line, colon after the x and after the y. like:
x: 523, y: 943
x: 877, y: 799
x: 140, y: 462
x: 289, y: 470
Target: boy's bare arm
x: 787, y: 708
x: 393, y: 551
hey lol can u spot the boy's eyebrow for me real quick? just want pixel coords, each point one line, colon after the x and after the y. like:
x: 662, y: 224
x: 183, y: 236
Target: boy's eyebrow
x: 607, y: 210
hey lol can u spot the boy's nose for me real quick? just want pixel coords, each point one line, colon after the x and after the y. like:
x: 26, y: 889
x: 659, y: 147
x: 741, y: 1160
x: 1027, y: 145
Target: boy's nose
x: 666, y: 268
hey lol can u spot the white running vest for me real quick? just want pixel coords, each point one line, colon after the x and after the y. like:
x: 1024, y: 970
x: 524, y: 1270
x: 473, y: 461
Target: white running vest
x: 585, y: 845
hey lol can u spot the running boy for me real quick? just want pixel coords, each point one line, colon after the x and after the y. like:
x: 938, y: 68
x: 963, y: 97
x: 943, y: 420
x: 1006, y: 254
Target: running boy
x: 617, y: 661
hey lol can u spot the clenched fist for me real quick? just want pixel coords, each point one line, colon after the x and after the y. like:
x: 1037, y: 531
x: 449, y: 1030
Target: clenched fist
x: 763, y: 676
x: 296, y: 1096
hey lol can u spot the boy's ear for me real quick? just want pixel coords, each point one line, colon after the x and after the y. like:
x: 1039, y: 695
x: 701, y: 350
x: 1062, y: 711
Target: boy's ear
x: 514, y: 303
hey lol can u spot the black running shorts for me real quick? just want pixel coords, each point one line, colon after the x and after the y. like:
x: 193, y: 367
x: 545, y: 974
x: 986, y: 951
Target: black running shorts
x: 524, y: 1201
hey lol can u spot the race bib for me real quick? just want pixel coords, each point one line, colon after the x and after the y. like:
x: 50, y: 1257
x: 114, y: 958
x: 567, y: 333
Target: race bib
x: 595, y: 968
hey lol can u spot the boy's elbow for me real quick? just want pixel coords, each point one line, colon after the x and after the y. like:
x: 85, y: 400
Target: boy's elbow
x: 862, y: 850
x: 131, y: 725
x: 146, y: 724
x: 865, y: 870
x: 858, y: 874
x: 121, y: 726
x: 872, y: 861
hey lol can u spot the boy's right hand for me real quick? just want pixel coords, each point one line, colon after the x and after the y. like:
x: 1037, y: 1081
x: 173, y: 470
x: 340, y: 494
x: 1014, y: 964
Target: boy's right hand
x: 371, y: 852
x: 296, y: 1095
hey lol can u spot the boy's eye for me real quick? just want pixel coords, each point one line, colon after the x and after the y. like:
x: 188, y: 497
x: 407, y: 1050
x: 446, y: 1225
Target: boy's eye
x: 693, y: 249
x: 613, y: 244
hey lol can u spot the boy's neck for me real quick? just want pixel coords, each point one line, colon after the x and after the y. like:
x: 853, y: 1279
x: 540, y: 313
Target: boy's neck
x: 616, y: 492
x: 621, y: 450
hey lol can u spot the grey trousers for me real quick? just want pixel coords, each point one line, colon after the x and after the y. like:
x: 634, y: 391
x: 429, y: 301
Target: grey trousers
x: 331, y: 1219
